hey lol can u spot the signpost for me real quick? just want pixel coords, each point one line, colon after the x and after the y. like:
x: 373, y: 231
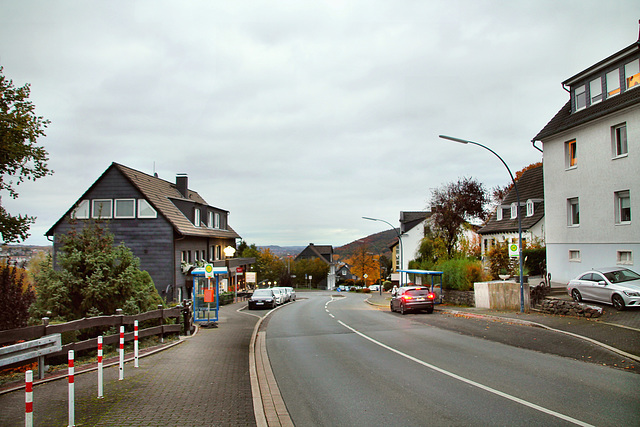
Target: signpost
x: 514, y: 250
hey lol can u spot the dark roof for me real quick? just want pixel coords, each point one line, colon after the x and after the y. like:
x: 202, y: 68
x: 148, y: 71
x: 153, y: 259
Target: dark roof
x: 324, y: 252
x: 530, y: 187
x: 159, y: 194
x: 409, y: 219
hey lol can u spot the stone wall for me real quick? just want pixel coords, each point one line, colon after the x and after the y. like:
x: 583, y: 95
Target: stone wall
x: 459, y: 298
x: 569, y: 308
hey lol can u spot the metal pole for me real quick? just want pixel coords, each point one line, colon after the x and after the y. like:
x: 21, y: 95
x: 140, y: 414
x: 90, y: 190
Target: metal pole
x: 399, y: 241
x: 515, y: 185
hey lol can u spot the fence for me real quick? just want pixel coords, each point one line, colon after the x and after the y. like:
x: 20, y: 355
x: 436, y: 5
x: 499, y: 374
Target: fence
x: 161, y: 314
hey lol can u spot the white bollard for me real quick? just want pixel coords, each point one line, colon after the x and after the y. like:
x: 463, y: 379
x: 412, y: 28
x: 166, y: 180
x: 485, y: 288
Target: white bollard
x: 100, y: 377
x: 121, y: 365
x: 28, y: 399
x: 135, y: 344
x: 72, y: 413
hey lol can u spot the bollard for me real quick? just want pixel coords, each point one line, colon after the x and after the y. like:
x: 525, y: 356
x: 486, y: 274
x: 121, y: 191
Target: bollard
x: 28, y: 399
x: 72, y: 414
x: 135, y: 344
x: 100, y: 377
x: 121, y: 364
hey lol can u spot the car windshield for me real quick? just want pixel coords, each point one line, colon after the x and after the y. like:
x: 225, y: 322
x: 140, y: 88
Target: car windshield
x: 262, y: 293
x: 417, y: 292
x: 619, y: 276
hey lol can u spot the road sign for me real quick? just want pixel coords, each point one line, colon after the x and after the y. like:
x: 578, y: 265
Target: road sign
x: 208, y: 270
x: 513, y: 250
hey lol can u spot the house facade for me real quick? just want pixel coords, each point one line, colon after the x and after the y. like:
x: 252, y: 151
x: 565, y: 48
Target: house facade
x: 591, y: 169
x: 324, y: 253
x: 169, y: 227
x: 503, y: 224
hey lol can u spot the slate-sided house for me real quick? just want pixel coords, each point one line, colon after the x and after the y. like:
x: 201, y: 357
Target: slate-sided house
x: 165, y: 224
x: 592, y: 169
x: 503, y: 224
x: 324, y: 253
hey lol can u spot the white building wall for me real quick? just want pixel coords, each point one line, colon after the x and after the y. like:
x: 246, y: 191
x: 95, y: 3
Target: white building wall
x: 595, y: 179
x: 410, y: 245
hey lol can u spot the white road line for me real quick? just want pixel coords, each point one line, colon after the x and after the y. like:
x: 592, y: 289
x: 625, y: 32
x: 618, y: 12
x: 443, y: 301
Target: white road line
x: 471, y: 382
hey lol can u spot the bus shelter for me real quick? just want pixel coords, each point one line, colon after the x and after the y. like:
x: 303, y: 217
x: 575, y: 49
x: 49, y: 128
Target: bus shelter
x: 206, y: 285
x: 432, y: 279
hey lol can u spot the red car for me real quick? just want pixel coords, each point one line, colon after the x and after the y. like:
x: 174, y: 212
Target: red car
x: 413, y: 298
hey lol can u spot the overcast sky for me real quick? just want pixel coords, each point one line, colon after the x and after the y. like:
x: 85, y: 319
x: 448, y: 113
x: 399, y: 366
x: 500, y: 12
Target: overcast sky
x: 298, y: 117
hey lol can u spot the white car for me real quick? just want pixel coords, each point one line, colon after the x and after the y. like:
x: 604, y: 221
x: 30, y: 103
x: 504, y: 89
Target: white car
x: 279, y: 294
x: 615, y: 285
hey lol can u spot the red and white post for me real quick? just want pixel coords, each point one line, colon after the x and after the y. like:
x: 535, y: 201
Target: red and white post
x: 28, y: 399
x: 121, y: 364
x: 72, y: 411
x: 135, y: 344
x: 100, y: 377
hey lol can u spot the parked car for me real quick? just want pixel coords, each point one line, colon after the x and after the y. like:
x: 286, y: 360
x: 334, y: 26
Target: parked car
x: 292, y: 293
x: 279, y: 294
x: 374, y: 288
x: 262, y: 298
x: 410, y: 298
x: 613, y: 285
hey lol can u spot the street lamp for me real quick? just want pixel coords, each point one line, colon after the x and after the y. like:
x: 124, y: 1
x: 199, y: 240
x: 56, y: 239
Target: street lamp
x: 399, y: 240
x: 229, y: 251
x: 515, y: 185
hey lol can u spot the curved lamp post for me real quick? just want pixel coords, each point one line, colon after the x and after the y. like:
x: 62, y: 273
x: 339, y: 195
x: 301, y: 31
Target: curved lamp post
x: 229, y: 251
x: 515, y: 185
x: 399, y: 240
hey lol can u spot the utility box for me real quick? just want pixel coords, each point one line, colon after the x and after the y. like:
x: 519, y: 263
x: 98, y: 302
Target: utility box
x: 500, y: 295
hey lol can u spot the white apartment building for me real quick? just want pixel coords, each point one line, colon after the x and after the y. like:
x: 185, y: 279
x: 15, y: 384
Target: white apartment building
x: 592, y: 169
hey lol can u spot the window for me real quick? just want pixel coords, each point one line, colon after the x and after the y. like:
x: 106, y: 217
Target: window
x: 125, y: 208
x: 571, y: 159
x: 623, y: 207
x: 624, y: 257
x: 514, y: 210
x: 217, y: 224
x: 613, y: 83
x: 581, y: 97
x: 196, y: 217
x: 102, y: 208
x: 218, y: 252
x: 210, y: 219
x: 212, y: 251
x: 145, y: 210
x: 529, y: 207
x: 81, y: 211
x: 196, y: 256
x: 574, y: 256
x: 632, y: 73
x: 595, y: 88
x: 619, y: 140
x: 573, y: 211
x: 499, y: 213
x: 183, y: 256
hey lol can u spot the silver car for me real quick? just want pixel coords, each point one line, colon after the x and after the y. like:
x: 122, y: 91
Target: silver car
x: 615, y: 285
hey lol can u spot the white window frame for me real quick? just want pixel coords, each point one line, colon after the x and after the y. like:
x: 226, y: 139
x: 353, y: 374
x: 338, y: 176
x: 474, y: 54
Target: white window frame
x: 217, y: 221
x: 613, y: 83
x: 595, y: 90
x: 530, y: 207
x: 210, y: 219
x: 499, y: 213
x: 624, y: 257
x: 574, y: 255
x: 196, y: 217
x: 571, y: 156
x: 514, y: 210
x: 620, y: 197
x: 632, y: 74
x: 96, y: 213
x: 81, y: 211
x: 619, y: 140
x: 573, y: 214
x: 580, y: 95
x: 116, y: 202
x: 143, y: 207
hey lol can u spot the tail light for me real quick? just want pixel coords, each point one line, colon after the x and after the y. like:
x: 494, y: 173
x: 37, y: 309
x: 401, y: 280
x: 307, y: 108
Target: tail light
x: 407, y: 297
x: 431, y: 295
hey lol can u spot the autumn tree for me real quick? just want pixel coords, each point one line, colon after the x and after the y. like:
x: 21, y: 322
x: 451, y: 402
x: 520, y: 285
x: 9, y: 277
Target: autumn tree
x: 364, y: 262
x: 314, y: 267
x: 453, y: 205
x: 498, y: 193
x: 15, y: 297
x: 20, y: 157
x: 92, y: 277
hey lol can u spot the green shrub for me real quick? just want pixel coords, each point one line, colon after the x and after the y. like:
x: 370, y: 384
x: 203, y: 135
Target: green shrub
x: 460, y: 274
x: 534, y: 260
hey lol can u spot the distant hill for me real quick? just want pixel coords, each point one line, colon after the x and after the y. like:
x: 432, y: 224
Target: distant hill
x: 377, y: 243
x: 281, y: 251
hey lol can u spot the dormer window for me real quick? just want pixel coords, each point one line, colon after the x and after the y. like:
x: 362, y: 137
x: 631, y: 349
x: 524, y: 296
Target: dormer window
x: 499, y: 213
x: 613, y: 83
x: 595, y: 89
x: 632, y: 73
x: 514, y: 210
x: 196, y: 217
x: 529, y: 207
x: 580, y: 97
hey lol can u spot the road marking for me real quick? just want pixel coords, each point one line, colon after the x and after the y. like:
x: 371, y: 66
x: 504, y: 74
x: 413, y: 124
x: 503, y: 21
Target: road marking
x: 471, y: 382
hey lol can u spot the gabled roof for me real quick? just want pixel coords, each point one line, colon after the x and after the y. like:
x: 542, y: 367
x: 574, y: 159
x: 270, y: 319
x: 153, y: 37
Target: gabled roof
x: 409, y: 219
x: 324, y: 252
x: 160, y: 193
x: 530, y: 187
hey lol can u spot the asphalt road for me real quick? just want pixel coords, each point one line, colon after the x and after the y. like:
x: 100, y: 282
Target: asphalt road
x: 339, y: 361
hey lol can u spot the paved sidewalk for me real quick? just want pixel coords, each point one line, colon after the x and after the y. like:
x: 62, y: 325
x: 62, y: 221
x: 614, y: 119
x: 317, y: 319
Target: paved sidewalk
x: 618, y: 330
x: 203, y: 381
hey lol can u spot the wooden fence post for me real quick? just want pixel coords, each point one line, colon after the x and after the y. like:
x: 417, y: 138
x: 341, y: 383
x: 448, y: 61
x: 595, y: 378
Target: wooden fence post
x: 161, y: 323
x: 41, y: 362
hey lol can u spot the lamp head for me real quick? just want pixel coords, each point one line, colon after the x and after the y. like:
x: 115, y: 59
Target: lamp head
x: 451, y: 138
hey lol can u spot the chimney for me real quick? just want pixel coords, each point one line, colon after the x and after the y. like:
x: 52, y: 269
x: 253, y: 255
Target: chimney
x: 182, y: 184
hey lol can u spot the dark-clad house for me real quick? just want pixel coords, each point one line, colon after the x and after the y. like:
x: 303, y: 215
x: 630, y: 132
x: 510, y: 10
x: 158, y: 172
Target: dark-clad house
x: 168, y: 226
x: 325, y: 253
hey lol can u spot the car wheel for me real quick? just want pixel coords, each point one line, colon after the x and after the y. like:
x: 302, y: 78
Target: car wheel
x: 391, y: 307
x: 429, y: 310
x: 575, y: 294
x: 403, y: 310
x: 618, y: 302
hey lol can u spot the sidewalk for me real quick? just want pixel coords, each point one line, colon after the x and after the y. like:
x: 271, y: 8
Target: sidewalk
x: 618, y: 331
x: 203, y: 381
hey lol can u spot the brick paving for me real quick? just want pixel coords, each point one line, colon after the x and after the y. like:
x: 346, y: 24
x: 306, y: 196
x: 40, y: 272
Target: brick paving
x: 203, y: 381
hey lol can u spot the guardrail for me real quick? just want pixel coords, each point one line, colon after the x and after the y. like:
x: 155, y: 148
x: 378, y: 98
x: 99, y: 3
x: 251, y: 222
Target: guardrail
x: 37, y: 332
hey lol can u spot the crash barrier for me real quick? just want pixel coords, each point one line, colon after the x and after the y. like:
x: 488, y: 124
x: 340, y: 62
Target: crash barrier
x: 31, y: 334
x: 29, y: 350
